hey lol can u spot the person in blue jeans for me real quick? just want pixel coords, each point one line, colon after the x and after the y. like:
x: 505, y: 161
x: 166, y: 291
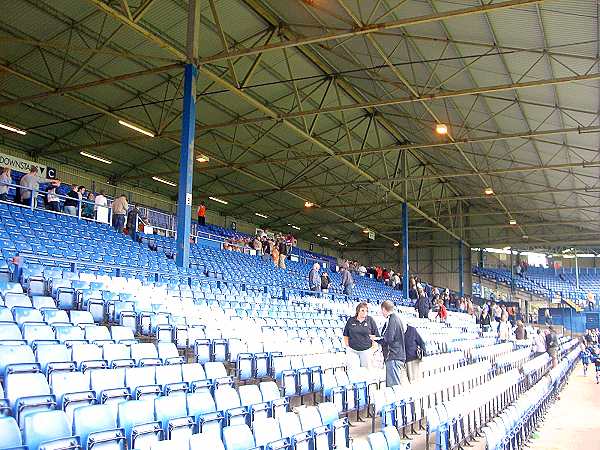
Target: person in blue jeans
x: 347, y: 280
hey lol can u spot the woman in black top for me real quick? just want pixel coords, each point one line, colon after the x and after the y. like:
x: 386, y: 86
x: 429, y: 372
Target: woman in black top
x: 360, y: 333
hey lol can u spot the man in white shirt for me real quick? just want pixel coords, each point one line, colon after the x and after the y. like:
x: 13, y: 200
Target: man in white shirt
x: 100, y: 205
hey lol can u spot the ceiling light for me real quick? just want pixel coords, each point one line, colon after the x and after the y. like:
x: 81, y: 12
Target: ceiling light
x: 308, y: 204
x: 162, y: 180
x: 261, y: 215
x: 13, y: 129
x: 218, y: 200
x: 318, y: 234
x: 295, y: 227
x: 506, y: 249
x: 202, y: 159
x: 366, y: 231
x: 136, y: 128
x: 525, y: 236
x: 441, y: 128
x: 396, y: 244
x: 341, y: 243
x: 97, y: 158
x: 512, y: 222
x: 488, y: 191
x: 325, y: 237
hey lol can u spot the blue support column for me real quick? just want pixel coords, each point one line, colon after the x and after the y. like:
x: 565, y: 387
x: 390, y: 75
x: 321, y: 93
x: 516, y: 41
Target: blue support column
x: 405, y: 271
x: 186, y: 167
x: 461, y: 269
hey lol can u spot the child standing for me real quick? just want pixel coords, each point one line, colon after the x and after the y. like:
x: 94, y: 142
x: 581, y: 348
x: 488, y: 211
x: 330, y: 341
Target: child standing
x: 585, y: 359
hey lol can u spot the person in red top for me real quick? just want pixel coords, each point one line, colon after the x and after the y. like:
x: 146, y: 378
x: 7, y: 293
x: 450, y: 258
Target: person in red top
x: 378, y: 273
x: 442, y: 312
x: 202, y: 214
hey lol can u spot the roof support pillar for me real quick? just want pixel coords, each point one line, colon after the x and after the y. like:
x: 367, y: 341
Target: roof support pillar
x: 405, y: 268
x: 461, y: 269
x: 188, y: 128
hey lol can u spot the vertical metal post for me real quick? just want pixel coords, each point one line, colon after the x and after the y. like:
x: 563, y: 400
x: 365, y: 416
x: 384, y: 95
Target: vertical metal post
x: 576, y: 272
x: 188, y: 128
x: 405, y: 268
x: 481, y: 260
x: 512, y: 274
x: 461, y: 269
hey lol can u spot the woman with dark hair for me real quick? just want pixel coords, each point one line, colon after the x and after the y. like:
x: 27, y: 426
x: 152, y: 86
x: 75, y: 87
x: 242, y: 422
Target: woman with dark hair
x: 360, y: 333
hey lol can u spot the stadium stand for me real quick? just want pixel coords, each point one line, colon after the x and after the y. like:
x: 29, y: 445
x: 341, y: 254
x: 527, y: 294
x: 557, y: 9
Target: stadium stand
x: 94, y: 349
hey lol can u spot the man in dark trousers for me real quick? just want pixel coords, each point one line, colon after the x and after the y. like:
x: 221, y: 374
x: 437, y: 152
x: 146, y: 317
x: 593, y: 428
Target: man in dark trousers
x: 392, y: 343
x: 415, y: 348
x: 423, y: 303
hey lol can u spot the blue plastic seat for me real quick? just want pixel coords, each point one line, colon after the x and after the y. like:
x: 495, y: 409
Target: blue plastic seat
x: 251, y: 398
x: 67, y: 334
x: 201, y: 406
x: 145, y: 354
x: 10, y: 334
x: 11, y: 435
x: 267, y: 434
x: 28, y: 393
x: 109, y: 385
x: 54, y: 357
x: 339, y: 429
x: 95, y: 425
x: 25, y: 314
x: 38, y: 333
x: 271, y: 395
x: 71, y: 390
x: 311, y: 423
x: 393, y: 438
x: 117, y: 355
x: 88, y: 356
x: 136, y: 418
x: 228, y: 401
x: 170, y: 378
x: 172, y: 413
x: 238, y: 437
x: 48, y: 429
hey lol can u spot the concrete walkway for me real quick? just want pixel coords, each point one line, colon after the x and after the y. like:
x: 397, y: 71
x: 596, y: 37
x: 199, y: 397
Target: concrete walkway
x: 573, y: 422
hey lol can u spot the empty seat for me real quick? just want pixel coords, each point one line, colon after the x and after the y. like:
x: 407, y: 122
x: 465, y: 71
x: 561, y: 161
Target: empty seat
x: 10, y: 334
x: 173, y: 416
x: 167, y: 352
x: 121, y: 334
x: 311, y: 423
x: 290, y: 428
x: 81, y: 318
x: 52, y: 357
x: 251, y: 398
x: 392, y: 438
x: 38, y: 333
x: 48, y: 427
x: 97, y: 333
x: 141, y: 382
x: 201, y: 406
x: 203, y: 441
x: 238, y: 437
x: 136, y: 418
x: 40, y: 301
x: 270, y: 394
x: 145, y: 354
x: 55, y: 316
x: 88, y: 356
x: 96, y: 424
x: 193, y: 374
x: 109, y: 385
x: 23, y: 314
x: 10, y: 433
x: 27, y: 393
x: 117, y: 355
x: 339, y: 428
x: 67, y: 334
x: 170, y: 378
x: 267, y: 434
x: 71, y: 390
x: 16, y: 358
x: 228, y: 401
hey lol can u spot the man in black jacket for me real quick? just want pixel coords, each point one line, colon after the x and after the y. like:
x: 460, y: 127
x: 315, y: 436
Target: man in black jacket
x: 423, y: 303
x: 412, y: 342
x: 392, y: 343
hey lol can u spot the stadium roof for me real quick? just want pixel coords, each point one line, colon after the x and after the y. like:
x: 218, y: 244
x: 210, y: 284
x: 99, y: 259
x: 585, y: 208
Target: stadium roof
x: 335, y: 102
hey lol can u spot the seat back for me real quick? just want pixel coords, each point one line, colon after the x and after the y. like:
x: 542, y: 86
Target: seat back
x: 289, y: 424
x: 9, y: 430
x: 238, y: 437
x: 203, y: 441
x: 266, y: 430
x: 309, y: 418
x: 44, y: 426
x: 250, y: 394
x: 89, y: 420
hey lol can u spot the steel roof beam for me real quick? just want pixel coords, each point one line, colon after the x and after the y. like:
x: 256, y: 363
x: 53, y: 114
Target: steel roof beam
x: 271, y: 113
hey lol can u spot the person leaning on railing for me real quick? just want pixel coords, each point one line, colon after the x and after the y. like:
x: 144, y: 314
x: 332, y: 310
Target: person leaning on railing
x: 29, y: 182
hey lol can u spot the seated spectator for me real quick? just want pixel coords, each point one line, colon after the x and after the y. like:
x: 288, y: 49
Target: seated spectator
x: 362, y: 270
x: 5, y: 180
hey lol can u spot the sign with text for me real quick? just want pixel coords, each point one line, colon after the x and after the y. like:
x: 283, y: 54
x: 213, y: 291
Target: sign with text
x: 22, y: 165
x: 371, y: 235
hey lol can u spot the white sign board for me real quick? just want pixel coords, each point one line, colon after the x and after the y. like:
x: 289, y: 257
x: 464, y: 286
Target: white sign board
x: 22, y: 165
x: 188, y: 199
x: 371, y: 235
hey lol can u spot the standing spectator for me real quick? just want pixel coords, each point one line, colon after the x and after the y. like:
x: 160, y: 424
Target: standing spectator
x: 5, y: 180
x: 414, y: 347
x: 552, y: 345
x: 314, y: 280
x: 347, y: 280
x: 423, y: 304
x: 275, y: 253
x: 202, y: 214
x: 119, y: 209
x: 547, y: 317
x: 362, y: 270
x: 325, y: 282
x: 392, y: 343
x: 266, y: 248
x: 72, y: 202
x: 504, y: 328
x: 87, y: 209
x: 283, y: 251
x: 539, y: 343
x: 52, y: 199
x: 360, y: 333
x: 520, y: 331
x: 100, y: 206
x: 29, y: 183
x: 486, y: 319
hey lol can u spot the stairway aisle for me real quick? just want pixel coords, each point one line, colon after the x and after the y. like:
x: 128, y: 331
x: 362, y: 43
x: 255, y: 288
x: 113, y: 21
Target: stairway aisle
x: 573, y: 422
